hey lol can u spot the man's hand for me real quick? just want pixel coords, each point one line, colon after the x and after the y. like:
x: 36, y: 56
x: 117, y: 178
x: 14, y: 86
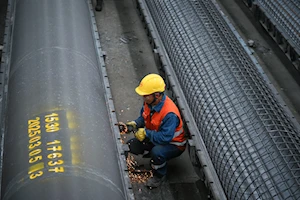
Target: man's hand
x: 132, y: 123
x: 140, y: 134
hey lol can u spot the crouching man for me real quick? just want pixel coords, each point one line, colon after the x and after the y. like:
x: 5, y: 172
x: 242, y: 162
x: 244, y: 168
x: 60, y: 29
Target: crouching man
x: 159, y: 128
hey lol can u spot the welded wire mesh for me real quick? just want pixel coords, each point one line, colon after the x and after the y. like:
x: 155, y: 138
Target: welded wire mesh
x: 254, y: 146
x: 285, y: 14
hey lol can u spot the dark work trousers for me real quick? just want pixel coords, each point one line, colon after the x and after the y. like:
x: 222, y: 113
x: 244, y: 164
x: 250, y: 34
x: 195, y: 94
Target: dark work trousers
x: 160, y: 154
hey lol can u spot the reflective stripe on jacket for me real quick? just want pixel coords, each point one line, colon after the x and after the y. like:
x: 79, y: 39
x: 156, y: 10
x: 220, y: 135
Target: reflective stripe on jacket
x: 153, y: 122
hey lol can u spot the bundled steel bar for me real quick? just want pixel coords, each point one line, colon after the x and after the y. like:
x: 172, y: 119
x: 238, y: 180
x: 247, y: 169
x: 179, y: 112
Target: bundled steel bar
x: 253, y: 143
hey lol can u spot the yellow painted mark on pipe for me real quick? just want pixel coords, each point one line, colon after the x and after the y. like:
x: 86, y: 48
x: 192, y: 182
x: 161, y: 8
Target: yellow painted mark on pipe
x: 36, y: 167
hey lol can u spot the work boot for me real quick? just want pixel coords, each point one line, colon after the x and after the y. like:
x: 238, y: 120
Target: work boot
x: 99, y: 5
x: 155, y: 181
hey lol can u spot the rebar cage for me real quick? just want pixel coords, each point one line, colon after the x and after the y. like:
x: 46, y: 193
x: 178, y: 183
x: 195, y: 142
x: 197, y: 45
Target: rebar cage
x: 250, y: 138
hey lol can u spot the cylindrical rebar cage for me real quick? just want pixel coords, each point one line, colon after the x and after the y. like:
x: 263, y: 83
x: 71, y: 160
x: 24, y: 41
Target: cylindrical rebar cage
x: 250, y: 138
x: 285, y: 16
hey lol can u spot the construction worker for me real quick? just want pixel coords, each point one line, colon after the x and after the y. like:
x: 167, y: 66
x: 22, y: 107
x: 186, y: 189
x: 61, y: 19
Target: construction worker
x: 159, y: 128
x: 99, y: 5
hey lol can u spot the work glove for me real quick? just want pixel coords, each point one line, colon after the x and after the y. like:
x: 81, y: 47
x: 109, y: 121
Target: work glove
x: 140, y: 134
x: 131, y: 126
x: 132, y: 123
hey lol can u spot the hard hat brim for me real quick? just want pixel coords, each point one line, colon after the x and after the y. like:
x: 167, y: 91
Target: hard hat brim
x: 140, y: 92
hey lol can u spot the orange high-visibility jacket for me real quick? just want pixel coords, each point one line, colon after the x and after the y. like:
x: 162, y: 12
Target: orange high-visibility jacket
x: 154, y: 122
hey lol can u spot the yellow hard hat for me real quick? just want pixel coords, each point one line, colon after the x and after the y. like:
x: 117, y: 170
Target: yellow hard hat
x: 150, y: 84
